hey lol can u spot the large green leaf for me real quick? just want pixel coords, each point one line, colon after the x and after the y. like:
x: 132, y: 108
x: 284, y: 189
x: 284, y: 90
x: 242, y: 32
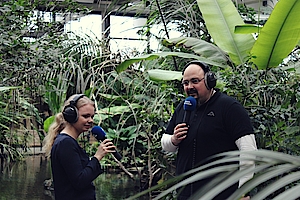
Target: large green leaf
x: 221, y: 17
x: 110, y: 97
x: 124, y: 65
x: 164, y: 75
x: 105, y: 113
x: 48, y: 122
x: 279, y: 36
x: 199, y: 47
x: 117, y: 110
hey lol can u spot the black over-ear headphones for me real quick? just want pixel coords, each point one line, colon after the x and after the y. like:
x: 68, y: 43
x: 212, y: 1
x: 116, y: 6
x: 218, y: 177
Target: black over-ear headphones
x: 210, y: 79
x: 70, y: 111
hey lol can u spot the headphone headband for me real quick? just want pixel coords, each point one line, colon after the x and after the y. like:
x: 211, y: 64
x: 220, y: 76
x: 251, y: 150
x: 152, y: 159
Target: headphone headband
x: 75, y: 99
x: 203, y: 65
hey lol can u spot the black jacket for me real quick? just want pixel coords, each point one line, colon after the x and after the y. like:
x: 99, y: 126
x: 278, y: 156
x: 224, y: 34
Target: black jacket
x: 214, y: 128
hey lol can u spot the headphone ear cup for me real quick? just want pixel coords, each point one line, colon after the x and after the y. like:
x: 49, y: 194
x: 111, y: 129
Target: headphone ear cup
x: 70, y: 114
x: 210, y: 80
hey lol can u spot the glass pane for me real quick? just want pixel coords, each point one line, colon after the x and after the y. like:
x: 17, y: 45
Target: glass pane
x: 126, y: 27
x: 129, y: 45
x: 88, y: 25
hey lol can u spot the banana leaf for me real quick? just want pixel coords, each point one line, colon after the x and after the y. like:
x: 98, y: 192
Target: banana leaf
x: 279, y: 36
x: 221, y: 17
x: 164, y: 75
x: 124, y: 65
x: 199, y: 47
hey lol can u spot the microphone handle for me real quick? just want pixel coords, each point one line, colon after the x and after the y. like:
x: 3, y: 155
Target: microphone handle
x: 186, y: 117
x: 117, y: 155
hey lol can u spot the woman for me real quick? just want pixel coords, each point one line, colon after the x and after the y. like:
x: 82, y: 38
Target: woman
x: 72, y: 169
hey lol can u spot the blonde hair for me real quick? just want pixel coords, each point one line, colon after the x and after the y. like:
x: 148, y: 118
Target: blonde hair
x: 60, y: 123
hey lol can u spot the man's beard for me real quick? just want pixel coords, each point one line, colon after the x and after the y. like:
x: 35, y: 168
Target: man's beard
x: 194, y: 91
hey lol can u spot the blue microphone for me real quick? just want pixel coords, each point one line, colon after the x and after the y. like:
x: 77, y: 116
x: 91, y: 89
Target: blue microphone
x: 100, y: 135
x: 189, y: 105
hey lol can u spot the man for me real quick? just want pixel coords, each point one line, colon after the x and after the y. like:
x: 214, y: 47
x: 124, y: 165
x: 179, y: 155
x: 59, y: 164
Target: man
x: 218, y: 124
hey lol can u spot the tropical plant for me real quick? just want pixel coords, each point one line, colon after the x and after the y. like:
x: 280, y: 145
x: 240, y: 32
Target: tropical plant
x: 276, y: 171
x: 240, y: 48
x: 11, y: 138
x: 31, y: 48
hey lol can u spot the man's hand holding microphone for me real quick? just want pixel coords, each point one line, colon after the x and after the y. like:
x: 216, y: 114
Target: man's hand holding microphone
x: 180, y: 131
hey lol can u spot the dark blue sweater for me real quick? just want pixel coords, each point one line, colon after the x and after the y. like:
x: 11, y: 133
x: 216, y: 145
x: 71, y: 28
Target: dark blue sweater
x: 73, y: 171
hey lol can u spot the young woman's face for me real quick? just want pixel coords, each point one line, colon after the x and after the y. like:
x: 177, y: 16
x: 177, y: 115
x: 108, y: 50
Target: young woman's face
x: 85, y: 118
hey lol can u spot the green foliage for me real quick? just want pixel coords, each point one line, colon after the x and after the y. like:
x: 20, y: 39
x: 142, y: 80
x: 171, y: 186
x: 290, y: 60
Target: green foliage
x: 213, y: 55
x: 10, y: 117
x: 221, y: 17
x: 278, y: 169
x: 30, y: 53
x: 164, y: 75
x: 279, y: 36
x: 268, y: 98
x: 48, y: 122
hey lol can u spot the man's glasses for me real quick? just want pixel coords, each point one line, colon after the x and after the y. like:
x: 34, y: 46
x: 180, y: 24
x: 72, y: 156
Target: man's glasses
x: 193, y: 81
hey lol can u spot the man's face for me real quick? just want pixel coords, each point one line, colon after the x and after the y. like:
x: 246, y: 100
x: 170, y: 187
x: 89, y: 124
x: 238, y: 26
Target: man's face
x: 193, y: 83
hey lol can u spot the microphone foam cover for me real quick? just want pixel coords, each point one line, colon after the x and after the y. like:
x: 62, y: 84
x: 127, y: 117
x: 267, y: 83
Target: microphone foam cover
x: 190, y: 104
x: 98, y: 133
